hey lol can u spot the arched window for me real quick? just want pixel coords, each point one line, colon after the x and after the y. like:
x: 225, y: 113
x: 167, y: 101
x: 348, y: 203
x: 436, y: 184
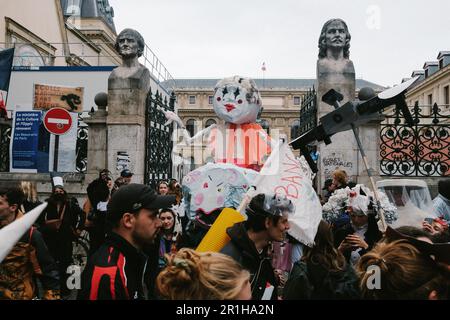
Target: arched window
x: 190, y: 127
x: 265, y: 125
x: 295, y: 129
x: 27, y: 56
x: 210, y: 122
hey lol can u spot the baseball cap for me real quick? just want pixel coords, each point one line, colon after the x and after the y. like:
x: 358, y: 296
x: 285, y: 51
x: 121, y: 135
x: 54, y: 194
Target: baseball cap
x: 133, y: 197
x: 126, y: 173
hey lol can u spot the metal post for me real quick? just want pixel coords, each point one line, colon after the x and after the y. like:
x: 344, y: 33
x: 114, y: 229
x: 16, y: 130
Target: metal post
x: 55, y: 154
x: 369, y: 174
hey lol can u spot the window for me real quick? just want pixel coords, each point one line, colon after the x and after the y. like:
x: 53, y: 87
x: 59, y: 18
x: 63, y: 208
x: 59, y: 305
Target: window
x: 441, y: 63
x: 210, y: 122
x: 295, y: 129
x: 73, y: 8
x: 210, y: 100
x: 446, y: 95
x: 296, y: 101
x: 191, y: 99
x: 430, y: 99
x: 190, y: 126
x: 27, y: 56
x: 265, y: 125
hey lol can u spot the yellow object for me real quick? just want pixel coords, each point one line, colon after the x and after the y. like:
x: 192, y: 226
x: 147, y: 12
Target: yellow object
x: 217, y: 237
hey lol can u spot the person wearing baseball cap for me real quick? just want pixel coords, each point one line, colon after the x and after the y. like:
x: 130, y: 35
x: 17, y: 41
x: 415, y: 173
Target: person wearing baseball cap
x: 126, y: 175
x: 250, y: 241
x: 133, y: 217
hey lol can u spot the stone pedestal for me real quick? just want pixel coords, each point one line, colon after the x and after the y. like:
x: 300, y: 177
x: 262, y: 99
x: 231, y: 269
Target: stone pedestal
x: 126, y: 123
x: 342, y: 152
x: 369, y: 135
x: 97, y: 143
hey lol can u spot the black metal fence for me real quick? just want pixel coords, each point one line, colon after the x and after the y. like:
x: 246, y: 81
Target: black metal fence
x: 159, y: 144
x: 422, y: 150
x: 308, y: 112
x: 82, y: 145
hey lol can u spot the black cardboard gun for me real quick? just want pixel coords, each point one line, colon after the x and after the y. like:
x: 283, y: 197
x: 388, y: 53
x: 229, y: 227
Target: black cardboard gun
x: 353, y: 114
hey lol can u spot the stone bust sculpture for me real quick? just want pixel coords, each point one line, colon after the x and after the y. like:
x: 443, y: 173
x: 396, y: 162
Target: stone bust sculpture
x: 334, y: 45
x: 132, y: 74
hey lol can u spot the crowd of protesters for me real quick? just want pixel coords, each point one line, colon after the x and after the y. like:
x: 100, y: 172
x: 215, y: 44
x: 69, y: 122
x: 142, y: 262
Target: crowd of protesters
x: 142, y: 247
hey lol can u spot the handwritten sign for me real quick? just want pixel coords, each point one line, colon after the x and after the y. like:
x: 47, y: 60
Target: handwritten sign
x: 286, y: 175
x: 47, y: 97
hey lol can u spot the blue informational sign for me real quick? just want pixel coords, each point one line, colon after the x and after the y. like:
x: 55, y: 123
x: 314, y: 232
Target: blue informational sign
x: 25, y: 140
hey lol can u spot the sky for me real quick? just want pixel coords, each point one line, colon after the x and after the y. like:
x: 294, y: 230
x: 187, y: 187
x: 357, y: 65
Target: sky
x: 216, y: 39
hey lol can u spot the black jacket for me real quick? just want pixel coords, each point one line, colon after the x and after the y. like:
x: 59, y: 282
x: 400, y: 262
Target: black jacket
x: 114, y: 272
x: 243, y: 250
x: 314, y: 282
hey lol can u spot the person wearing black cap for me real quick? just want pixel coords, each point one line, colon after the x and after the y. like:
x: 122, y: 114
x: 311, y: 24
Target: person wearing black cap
x: 329, y: 188
x: 250, y: 241
x: 116, y: 271
x: 126, y: 175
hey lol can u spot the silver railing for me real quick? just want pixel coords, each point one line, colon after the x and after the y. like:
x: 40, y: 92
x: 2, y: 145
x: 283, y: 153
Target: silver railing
x: 83, y: 51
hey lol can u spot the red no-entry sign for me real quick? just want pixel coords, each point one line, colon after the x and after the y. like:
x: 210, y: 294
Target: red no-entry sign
x: 57, y: 121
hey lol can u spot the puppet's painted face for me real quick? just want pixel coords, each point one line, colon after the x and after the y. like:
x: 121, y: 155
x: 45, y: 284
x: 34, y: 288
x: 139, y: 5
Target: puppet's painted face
x: 235, y: 104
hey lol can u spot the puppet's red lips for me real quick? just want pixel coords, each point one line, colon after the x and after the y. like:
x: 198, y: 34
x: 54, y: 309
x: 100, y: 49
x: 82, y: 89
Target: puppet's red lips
x: 230, y: 107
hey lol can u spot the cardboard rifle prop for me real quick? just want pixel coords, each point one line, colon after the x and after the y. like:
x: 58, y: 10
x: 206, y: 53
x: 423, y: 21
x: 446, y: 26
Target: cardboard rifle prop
x: 351, y: 115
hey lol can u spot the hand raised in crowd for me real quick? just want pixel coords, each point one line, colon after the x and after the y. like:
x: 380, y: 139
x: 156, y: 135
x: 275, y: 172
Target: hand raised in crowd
x: 356, y: 241
x: 428, y: 228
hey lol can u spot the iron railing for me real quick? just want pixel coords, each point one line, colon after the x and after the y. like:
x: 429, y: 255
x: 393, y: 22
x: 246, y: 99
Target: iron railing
x: 149, y: 59
x: 159, y: 144
x: 422, y: 150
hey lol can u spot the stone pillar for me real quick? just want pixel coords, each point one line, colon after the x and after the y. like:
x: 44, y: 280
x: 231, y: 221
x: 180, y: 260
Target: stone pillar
x: 369, y: 135
x: 97, y: 143
x: 342, y: 152
x: 126, y: 122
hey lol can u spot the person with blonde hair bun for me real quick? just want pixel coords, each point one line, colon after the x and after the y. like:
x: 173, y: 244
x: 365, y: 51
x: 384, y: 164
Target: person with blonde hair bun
x: 31, y: 197
x: 191, y: 275
x: 405, y: 274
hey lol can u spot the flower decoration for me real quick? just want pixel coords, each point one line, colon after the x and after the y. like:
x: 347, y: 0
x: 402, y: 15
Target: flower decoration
x: 359, y: 200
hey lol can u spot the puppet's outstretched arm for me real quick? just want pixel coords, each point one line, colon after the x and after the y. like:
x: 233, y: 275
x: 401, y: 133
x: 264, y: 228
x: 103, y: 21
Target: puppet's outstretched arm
x: 172, y: 117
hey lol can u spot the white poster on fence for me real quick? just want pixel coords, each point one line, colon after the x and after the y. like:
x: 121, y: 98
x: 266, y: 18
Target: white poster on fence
x: 285, y: 174
x: 67, y: 156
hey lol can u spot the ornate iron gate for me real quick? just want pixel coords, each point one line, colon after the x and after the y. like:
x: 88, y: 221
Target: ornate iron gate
x: 82, y: 145
x: 159, y: 144
x: 422, y: 150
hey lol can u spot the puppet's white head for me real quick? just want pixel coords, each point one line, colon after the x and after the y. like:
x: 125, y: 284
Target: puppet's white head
x: 237, y: 100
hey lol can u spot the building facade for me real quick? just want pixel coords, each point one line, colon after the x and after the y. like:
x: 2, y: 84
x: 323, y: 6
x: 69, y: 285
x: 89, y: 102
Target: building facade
x: 59, y: 32
x: 433, y: 85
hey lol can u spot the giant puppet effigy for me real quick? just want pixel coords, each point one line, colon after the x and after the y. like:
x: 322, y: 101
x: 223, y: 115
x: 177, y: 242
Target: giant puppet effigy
x: 246, y: 160
x: 238, y: 146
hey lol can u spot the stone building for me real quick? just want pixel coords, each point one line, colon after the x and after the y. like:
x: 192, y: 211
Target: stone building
x: 434, y: 83
x: 59, y: 32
